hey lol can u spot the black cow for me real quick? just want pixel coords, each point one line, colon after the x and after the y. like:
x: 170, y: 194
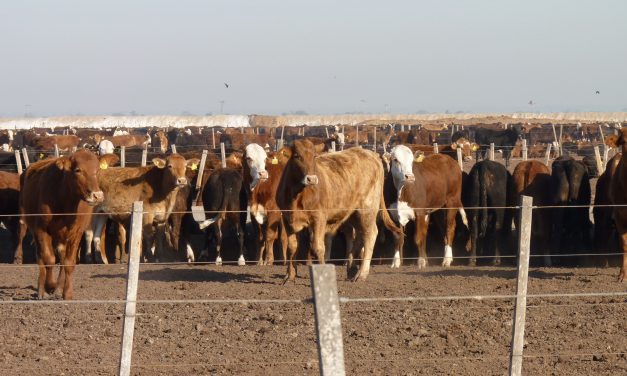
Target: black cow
x: 570, y: 186
x: 503, y: 140
x: 464, y: 133
x: 225, y: 202
x: 489, y: 187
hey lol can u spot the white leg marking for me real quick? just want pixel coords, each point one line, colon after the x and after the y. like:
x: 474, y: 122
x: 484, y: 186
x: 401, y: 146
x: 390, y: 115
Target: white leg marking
x: 218, y: 260
x: 422, y: 262
x: 464, y: 218
x: 396, y: 262
x: 208, y: 222
x: 241, y: 261
x: 448, y: 256
x: 152, y: 250
x: 190, y: 253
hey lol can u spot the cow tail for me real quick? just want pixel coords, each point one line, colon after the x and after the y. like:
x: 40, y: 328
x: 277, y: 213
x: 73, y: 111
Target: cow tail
x: 387, y: 220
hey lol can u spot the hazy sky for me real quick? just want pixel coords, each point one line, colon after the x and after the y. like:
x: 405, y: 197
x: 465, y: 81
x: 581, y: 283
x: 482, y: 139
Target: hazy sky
x: 323, y: 56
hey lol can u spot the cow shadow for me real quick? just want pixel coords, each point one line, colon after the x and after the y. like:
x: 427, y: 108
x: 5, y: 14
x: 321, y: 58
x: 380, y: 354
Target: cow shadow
x: 492, y: 273
x: 189, y: 275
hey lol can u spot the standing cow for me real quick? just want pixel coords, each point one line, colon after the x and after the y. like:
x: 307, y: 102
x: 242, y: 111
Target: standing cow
x: 618, y: 196
x: 58, y: 217
x: 321, y: 192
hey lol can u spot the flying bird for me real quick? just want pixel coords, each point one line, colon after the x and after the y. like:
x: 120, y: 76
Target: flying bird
x: 530, y: 102
x: 226, y: 85
x: 598, y: 92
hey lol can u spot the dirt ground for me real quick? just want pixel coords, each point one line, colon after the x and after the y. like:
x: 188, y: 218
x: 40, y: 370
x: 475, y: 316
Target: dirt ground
x: 564, y: 336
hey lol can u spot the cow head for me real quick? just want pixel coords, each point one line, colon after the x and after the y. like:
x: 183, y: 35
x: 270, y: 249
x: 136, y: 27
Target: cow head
x: 160, y: 140
x: 105, y: 147
x: 82, y: 169
x: 255, y: 161
x: 173, y: 168
x: 401, y: 165
x: 615, y: 141
x: 466, y: 146
x: 302, y: 157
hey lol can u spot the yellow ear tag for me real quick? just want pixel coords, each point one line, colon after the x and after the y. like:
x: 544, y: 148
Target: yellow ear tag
x: 104, y: 166
x: 194, y: 167
x: 420, y: 158
x: 474, y: 148
x: 41, y: 155
x: 275, y: 160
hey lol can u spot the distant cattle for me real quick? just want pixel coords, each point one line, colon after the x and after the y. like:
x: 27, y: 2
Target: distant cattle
x: 424, y: 186
x: 489, y: 193
x: 618, y: 195
x: 571, y: 193
x: 47, y: 143
x: 533, y: 178
x: 502, y: 139
x: 322, y: 192
x: 58, y: 217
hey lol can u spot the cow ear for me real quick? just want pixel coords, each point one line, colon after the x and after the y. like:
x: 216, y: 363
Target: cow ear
x: 614, y: 141
x: 192, y: 164
x: 108, y: 160
x: 64, y: 164
x: 160, y: 163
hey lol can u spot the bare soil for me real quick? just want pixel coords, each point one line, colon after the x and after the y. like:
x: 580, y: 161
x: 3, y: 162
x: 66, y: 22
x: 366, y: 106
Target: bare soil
x: 564, y: 336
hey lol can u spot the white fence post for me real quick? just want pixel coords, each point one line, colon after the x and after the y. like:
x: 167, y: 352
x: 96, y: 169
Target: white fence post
x: 597, y: 157
x: 328, y: 321
x: 491, y: 154
x: 547, y: 158
x: 213, y: 138
x: 374, y: 138
x: 435, y: 148
x: 56, y: 151
x: 123, y: 156
x: 144, y: 155
x: 356, y: 135
x: 201, y: 169
x: 333, y: 146
x: 460, y: 159
x: 173, y: 149
x: 560, y: 142
x: 223, y: 154
x: 18, y: 160
x: 25, y: 155
x: 524, y: 150
x: 131, y: 288
x: 524, y: 241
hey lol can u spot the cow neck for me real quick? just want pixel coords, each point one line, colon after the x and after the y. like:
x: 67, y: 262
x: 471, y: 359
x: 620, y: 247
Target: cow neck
x: 71, y: 196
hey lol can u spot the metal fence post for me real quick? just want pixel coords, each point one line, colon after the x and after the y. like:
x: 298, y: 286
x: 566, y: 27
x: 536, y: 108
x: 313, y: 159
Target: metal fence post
x: 524, y: 150
x: 491, y: 154
x: 213, y: 138
x: 18, y: 160
x: 131, y: 288
x: 173, y: 149
x: 547, y: 158
x: 524, y: 241
x: 123, y: 156
x: 435, y: 148
x: 144, y: 155
x: 328, y: 321
x: 356, y: 135
x: 56, y: 151
x: 597, y: 157
x: 374, y: 139
x: 201, y: 168
x: 223, y: 154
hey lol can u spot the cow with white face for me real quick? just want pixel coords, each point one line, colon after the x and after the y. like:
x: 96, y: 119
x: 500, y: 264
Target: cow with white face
x: 105, y: 147
x: 256, y: 158
x: 424, y: 185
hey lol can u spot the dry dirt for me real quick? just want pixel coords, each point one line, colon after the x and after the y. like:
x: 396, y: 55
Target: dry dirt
x: 564, y: 336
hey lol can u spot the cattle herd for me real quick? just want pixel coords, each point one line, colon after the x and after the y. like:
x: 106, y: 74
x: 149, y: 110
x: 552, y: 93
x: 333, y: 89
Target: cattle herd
x: 305, y: 187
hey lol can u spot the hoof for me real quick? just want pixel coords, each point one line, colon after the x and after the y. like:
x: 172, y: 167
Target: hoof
x: 422, y: 263
x: 88, y: 259
x: 241, y: 261
x: 447, y: 262
x: 218, y: 261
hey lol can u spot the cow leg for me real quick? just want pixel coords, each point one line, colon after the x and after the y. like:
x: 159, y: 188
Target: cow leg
x: 422, y: 225
x: 121, y: 254
x: 623, y: 240
x: 89, y: 239
x: 272, y: 233
x: 261, y: 244
x: 449, y: 235
x: 292, y: 245
x: 98, y: 223
x: 218, y: 240
x: 241, y: 261
x: 399, y: 243
x: 18, y: 232
x: 284, y: 243
x: 46, y: 260
x: 369, y: 235
x: 69, y: 262
x: 318, y: 239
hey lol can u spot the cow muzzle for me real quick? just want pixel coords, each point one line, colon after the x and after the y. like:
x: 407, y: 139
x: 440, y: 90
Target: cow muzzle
x: 310, y: 180
x: 410, y: 178
x: 94, y: 198
x: 263, y: 175
x: 181, y: 181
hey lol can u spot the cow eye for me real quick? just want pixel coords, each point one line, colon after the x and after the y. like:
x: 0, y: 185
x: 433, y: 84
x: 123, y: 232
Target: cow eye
x: 169, y: 166
x: 77, y: 170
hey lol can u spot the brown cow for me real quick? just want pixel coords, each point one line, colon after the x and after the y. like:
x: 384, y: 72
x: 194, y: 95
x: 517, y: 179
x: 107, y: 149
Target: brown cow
x: 64, y: 143
x: 423, y: 186
x: 618, y: 194
x: 155, y: 185
x: 261, y: 179
x: 323, y: 191
x: 76, y: 191
x: 604, y: 234
x: 533, y: 178
x: 9, y: 204
x: 127, y: 140
x: 467, y: 147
